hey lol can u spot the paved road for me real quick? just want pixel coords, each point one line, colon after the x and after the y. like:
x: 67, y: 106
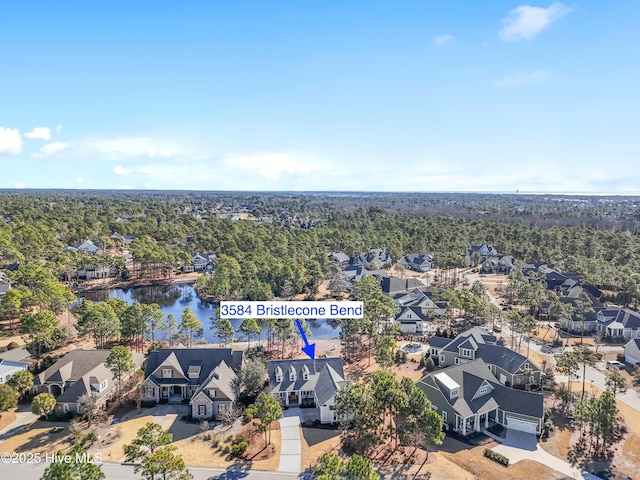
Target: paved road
x: 116, y: 471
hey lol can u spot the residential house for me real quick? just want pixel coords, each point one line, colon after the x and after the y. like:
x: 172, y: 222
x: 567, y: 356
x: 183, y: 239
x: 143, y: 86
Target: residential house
x: 509, y: 367
x: 423, y: 298
x: 79, y: 372
x: 307, y: 383
x: 340, y: 258
x: 92, y: 272
x: 374, y: 259
x: 418, y: 262
x: 470, y: 398
x: 412, y: 320
x: 494, y: 264
x: 479, y: 253
x: 632, y: 351
x: 15, y: 354
x: 203, y: 376
x: 86, y: 246
x: 9, y: 367
x: 203, y: 262
x: 5, y: 283
x: 354, y: 273
x: 125, y: 240
x: 618, y: 323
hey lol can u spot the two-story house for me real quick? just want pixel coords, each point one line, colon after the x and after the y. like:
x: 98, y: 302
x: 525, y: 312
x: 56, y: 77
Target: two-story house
x: 79, y: 372
x: 470, y: 398
x: 509, y: 367
x: 412, y: 320
x: 418, y: 262
x: 307, y: 383
x: 204, y: 376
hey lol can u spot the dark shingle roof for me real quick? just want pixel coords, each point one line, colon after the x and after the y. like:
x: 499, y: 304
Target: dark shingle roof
x: 315, y: 368
x: 206, y: 358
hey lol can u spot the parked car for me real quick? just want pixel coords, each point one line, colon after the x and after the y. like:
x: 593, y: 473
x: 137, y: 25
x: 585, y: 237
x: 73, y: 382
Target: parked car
x: 614, y: 364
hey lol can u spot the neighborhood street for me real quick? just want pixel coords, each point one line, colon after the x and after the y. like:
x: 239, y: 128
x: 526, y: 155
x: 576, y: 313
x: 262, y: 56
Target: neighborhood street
x: 117, y: 471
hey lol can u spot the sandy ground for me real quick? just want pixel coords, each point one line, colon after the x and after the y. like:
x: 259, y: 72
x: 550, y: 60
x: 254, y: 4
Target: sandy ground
x: 6, y: 418
x: 38, y: 438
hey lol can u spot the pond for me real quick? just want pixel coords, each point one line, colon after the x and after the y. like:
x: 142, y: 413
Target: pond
x: 175, y: 298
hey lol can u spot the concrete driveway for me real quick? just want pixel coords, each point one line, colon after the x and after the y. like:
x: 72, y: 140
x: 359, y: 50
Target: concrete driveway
x: 521, y: 440
x: 24, y: 418
x: 291, y: 445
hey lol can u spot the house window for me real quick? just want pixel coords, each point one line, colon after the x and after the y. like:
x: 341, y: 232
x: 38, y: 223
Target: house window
x: 484, y: 389
x: 222, y: 409
x: 103, y: 385
x: 434, y: 407
x: 202, y: 410
x: 455, y: 392
x: 150, y: 392
x: 212, y: 392
x: 442, y: 359
x: 456, y: 360
x: 65, y: 407
x: 526, y: 365
x: 166, y: 373
x: 467, y: 353
x: 518, y: 381
x: 444, y: 416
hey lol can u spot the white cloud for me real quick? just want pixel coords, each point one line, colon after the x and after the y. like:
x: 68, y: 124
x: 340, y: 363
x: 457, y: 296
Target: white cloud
x: 51, y: 149
x: 58, y: 128
x: 271, y: 165
x: 525, y: 21
x: 524, y: 78
x: 79, y: 179
x: 443, y: 39
x: 121, y: 171
x: 42, y: 133
x: 10, y: 141
x: 20, y: 185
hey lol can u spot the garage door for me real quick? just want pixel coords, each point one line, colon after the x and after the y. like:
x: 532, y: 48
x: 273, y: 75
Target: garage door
x: 521, y: 425
x: 631, y: 360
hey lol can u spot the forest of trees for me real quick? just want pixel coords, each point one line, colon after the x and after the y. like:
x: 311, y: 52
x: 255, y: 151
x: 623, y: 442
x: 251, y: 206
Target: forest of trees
x: 593, y: 237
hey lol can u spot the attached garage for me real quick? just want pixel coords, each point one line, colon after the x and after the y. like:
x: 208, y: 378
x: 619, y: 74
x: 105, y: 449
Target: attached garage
x: 521, y: 425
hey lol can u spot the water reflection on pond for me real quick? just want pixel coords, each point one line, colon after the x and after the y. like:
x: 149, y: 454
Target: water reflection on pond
x: 175, y: 298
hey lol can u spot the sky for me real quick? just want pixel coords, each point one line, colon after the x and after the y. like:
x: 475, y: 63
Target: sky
x: 329, y: 95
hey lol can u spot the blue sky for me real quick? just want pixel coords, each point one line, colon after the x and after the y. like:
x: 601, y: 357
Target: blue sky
x: 321, y: 95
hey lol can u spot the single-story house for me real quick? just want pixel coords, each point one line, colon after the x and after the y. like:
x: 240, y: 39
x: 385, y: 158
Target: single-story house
x: 86, y: 246
x: 469, y: 398
x: 307, y: 383
x: 204, y: 376
x: 79, y: 372
x: 632, y: 351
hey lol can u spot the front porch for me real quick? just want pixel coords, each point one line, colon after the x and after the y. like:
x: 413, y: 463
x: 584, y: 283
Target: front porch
x: 475, y: 423
x: 173, y: 393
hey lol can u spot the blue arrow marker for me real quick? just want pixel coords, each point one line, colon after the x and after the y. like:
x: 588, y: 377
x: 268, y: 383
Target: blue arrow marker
x: 309, y: 349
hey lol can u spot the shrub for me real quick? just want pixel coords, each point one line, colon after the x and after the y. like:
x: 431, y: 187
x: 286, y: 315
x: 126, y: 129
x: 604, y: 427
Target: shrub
x: 496, y: 457
x: 230, y: 439
x: 429, y: 364
x: 12, y: 345
x: 147, y: 404
x: 240, y: 445
x: 164, y: 400
x: 56, y: 429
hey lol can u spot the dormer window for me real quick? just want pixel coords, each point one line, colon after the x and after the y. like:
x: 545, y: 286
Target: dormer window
x: 455, y: 392
x: 166, y: 373
x: 526, y: 364
x: 466, y: 353
x: 292, y: 374
x: 278, y: 374
x: 483, y: 390
x: 305, y: 372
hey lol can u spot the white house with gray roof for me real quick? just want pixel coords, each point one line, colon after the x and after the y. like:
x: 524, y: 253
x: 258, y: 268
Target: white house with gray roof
x: 632, y: 351
x: 9, y: 367
x: 469, y: 398
x: 204, y: 376
x: 307, y: 383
